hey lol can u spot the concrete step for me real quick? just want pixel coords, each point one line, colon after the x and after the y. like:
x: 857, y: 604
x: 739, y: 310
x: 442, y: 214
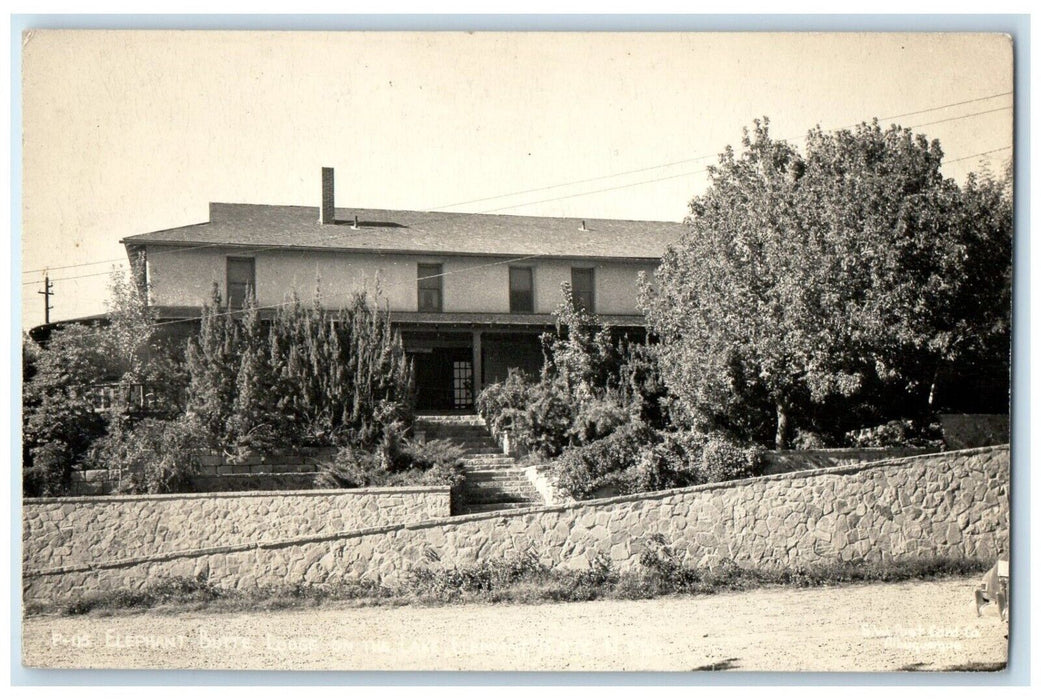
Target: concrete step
x: 490, y: 487
x: 495, y: 475
x: 504, y: 486
x: 474, y: 439
x: 481, y: 498
x: 501, y: 485
x: 491, y: 474
x: 450, y: 421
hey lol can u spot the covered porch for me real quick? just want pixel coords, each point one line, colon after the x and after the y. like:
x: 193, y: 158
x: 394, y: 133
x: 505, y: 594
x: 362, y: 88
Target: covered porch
x: 456, y: 355
x: 453, y: 365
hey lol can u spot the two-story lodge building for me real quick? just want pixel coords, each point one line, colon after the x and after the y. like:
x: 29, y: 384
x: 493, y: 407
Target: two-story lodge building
x: 470, y: 293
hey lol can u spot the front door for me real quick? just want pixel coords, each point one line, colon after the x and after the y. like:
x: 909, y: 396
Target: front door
x: 444, y: 379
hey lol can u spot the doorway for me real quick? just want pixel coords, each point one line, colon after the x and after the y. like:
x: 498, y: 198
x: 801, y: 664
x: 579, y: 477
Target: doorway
x: 444, y: 379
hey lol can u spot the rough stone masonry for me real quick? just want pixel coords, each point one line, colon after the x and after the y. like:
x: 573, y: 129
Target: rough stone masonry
x: 954, y: 503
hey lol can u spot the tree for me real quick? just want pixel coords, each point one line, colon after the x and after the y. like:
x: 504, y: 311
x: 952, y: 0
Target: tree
x: 310, y: 376
x: 807, y: 277
x: 213, y: 368
x: 59, y: 422
x: 63, y: 377
x: 144, y: 357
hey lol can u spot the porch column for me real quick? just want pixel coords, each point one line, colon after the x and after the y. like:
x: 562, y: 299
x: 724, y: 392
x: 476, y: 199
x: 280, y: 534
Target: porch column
x: 478, y: 384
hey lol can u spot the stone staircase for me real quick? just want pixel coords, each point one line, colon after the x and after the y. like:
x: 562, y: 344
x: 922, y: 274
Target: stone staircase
x: 493, y: 481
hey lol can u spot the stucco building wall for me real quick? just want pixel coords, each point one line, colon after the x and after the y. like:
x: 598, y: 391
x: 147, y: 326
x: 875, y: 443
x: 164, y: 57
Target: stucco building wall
x: 185, y: 277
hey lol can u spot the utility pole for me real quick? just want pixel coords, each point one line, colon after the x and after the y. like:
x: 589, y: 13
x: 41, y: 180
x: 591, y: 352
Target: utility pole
x: 47, y: 293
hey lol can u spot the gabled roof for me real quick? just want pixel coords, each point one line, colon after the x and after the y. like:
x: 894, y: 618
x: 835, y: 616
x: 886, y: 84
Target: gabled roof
x: 391, y: 231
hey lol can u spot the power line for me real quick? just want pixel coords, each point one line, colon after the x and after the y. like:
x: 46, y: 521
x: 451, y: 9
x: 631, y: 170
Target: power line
x: 976, y: 155
x: 577, y: 182
x: 66, y: 267
x: 703, y: 157
x: 673, y: 177
x: 951, y: 104
x: 964, y: 116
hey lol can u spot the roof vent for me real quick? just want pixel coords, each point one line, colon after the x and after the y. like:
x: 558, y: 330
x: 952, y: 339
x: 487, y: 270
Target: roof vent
x: 355, y: 226
x: 583, y: 226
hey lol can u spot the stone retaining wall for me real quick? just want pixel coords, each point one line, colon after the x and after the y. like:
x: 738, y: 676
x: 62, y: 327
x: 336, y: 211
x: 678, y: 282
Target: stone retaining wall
x: 64, y: 532
x: 954, y: 504
x: 294, y: 470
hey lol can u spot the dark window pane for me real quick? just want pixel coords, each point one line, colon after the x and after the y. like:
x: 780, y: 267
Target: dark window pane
x: 521, y: 297
x: 240, y: 281
x: 429, y: 286
x: 582, y: 288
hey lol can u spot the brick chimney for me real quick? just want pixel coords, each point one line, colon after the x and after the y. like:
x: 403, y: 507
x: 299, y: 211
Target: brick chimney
x: 327, y: 213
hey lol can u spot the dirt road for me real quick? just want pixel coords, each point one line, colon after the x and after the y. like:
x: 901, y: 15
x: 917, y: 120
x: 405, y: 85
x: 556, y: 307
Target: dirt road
x: 878, y: 627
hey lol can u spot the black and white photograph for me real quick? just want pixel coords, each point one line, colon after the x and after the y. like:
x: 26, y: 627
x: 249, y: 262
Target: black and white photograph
x: 516, y: 351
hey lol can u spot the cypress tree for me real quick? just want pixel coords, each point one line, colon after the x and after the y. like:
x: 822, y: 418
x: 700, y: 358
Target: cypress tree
x: 213, y: 365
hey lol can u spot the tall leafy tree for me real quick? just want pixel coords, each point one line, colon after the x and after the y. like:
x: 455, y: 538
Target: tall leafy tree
x: 807, y: 277
x: 59, y: 422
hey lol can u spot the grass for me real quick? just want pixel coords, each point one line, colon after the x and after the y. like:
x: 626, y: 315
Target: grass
x: 522, y: 579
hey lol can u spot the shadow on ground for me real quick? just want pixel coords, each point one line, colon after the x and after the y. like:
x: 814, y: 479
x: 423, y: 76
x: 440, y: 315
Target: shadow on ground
x: 724, y: 665
x: 958, y: 668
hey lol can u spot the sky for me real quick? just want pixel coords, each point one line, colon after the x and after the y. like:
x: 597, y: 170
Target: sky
x: 133, y: 131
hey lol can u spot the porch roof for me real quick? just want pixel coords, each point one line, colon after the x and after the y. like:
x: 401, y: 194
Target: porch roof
x: 499, y: 319
x: 425, y: 319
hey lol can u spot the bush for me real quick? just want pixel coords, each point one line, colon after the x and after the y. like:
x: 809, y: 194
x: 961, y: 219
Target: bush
x: 663, y: 567
x: 430, y: 454
x: 408, y: 463
x: 488, y: 575
x: 351, y: 468
x: 48, y: 470
x: 808, y: 440
x: 723, y: 460
x: 152, y: 456
x: 502, y: 404
x: 898, y: 433
x: 548, y: 420
x: 598, y: 418
x: 667, y: 463
x: 636, y: 459
x: 176, y: 589
x: 581, y: 471
x: 59, y: 422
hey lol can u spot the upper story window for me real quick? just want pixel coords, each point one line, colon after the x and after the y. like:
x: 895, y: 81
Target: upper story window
x: 241, y: 281
x: 429, y: 285
x: 582, y: 288
x: 522, y: 297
